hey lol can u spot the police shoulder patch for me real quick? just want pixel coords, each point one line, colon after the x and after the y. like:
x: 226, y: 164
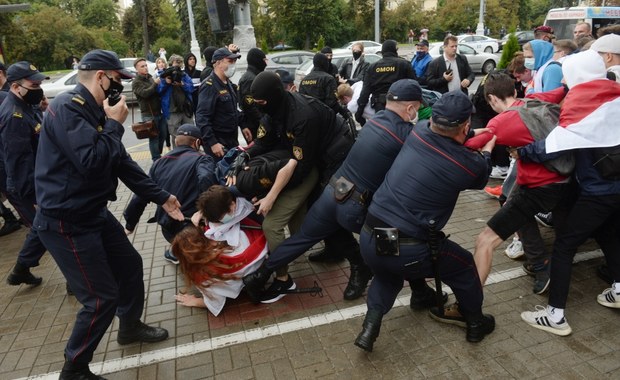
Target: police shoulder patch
x: 210, y: 83
x: 18, y: 114
x: 261, y: 132
x: 298, y: 153
x: 249, y: 99
x: 78, y: 99
x: 37, y: 128
x: 265, y: 182
x: 290, y: 135
x: 99, y: 128
x: 223, y: 92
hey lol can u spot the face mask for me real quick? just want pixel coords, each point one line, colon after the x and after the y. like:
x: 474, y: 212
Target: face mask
x: 230, y: 71
x: 357, y: 55
x: 226, y: 218
x: 33, y: 97
x: 414, y: 120
x: 421, y: 53
x: 115, y: 89
x: 529, y: 63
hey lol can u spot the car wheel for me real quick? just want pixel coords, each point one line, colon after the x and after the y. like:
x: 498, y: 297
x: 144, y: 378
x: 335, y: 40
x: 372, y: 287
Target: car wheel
x: 488, y: 49
x: 488, y: 66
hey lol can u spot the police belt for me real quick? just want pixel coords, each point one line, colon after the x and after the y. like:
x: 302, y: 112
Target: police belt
x: 363, y: 198
x: 373, y: 222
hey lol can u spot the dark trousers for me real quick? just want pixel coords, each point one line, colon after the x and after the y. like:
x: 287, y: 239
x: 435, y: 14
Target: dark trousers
x: 103, y: 270
x: 457, y: 270
x: 591, y: 216
x: 326, y: 219
x: 32, y: 250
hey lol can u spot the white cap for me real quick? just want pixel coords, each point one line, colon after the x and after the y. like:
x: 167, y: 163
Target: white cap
x: 609, y: 43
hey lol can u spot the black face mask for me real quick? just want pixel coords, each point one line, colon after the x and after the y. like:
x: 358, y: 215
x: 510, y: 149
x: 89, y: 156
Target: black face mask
x: 33, y: 97
x: 115, y: 89
x: 357, y: 55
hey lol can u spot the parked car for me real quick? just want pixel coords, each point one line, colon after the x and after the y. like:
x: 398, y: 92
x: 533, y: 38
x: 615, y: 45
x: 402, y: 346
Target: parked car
x: 68, y: 81
x: 288, y: 60
x: 482, y: 44
x: 479, y: 62
x: 282, y: 47
x: 338, y: 59
x: 369, y: 46
x: 523, y: 37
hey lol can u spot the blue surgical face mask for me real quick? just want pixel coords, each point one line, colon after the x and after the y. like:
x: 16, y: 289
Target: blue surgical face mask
x: 529, y: 63
x: 227, y: 218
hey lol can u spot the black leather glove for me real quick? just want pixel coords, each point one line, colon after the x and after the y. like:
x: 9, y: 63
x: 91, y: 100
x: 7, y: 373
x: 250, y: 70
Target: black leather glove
x: 359, y: 115
x: 240, y: 162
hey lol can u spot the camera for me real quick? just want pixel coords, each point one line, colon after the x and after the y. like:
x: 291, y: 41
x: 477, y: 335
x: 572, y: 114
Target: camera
x: 174, y: 73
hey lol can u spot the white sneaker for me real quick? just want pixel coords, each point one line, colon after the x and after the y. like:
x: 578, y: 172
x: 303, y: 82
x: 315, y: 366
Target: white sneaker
x: 514, y: 249
x: 609, y: 298
x: 499, y: 172
x: 540, y: 319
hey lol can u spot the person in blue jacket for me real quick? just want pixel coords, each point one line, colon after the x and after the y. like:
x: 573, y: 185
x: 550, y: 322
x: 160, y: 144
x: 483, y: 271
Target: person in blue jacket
x: 80, y: 159
x: 420, y: 61
x: 175, y: 89
x: 20, y: 125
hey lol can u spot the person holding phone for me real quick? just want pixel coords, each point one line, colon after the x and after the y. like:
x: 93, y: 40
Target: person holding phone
x: 450, y: 71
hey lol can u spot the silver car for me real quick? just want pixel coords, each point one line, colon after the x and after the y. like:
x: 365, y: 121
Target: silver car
x: 288, y: 60
x: 68, y: 82
x: 338, y: 59
x: 479, y: 62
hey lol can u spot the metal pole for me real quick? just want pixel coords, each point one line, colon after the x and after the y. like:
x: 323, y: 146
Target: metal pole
x: 377, y: 12
x: 480, y: 27
x: 194, y: 47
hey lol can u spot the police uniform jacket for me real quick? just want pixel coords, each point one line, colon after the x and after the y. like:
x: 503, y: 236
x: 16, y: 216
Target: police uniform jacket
x: 309, y: 130
x: 183, y: 172
x: 145, y: 89
x: 358, y: 75
x: 425, y: 181
x: 217, y: 112
x: 380, y: 76
x: 379, y: 141
x: 436, y: 69
x: 322, y: 86
x: 19, y: 137
x: 251, y: 113
x: 80, y: 159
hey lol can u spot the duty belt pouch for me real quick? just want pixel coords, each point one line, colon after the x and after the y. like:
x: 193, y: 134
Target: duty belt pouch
x: 386, y: 241
x: 343, y: 188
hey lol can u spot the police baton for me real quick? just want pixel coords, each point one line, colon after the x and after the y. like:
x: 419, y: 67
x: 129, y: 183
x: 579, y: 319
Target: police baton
x: 434, y: 242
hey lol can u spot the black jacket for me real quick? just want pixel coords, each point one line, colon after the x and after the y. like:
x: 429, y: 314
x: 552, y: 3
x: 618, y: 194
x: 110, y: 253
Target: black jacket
x: 251, y: 113
x: 358, y: 75
x: 435, y: 70
x: 322, y: 86
x: 380, y: 76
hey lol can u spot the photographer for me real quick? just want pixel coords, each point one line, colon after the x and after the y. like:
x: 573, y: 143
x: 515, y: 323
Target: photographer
x: 175, y: 89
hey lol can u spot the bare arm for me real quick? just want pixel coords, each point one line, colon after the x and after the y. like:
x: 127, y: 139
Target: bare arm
x: 284, y: 175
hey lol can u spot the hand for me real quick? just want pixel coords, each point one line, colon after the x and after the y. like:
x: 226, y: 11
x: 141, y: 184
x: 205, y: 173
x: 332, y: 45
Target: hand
x: 157, y: 80
x: 247, y: 134
x: 168, y: 80
x: 218, y: 149
x: 448, y: 77
x: 44, y: 103
x: 233, y: 48
x: 117, y: 112
x: 190, y: 300
x: 513, y: 152
x: 128, y: 232
x: 173, y: 208
x: 238, y: 164
x: 196, y: 218
x: 359, y: 115
x: 264, y: 205
x: 488, y: 147
x: 465, y: 83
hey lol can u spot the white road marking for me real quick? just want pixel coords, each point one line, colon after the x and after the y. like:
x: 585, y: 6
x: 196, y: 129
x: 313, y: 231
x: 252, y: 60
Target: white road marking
x: 188, y: 349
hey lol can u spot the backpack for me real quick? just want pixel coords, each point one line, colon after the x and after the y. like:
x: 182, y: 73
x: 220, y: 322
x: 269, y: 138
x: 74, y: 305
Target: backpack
x: 541, y: 118
x: 607, y: 162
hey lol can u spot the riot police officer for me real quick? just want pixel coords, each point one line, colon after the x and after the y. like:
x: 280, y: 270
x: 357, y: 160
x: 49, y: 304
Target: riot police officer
x: 380, y: 76
x: 320, y: 84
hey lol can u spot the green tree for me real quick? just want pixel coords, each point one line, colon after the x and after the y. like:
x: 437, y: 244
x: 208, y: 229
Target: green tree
x: 172, y: 46
x: 162, y: 21
x: 100, y: 14
x: 509, y: 50
x: 395, y: 23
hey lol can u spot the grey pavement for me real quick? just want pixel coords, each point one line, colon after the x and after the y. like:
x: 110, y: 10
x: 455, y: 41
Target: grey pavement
x: 301, y: 336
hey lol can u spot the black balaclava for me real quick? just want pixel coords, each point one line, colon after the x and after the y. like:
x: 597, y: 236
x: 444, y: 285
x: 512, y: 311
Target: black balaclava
x: 208, y: 53
x: 256, y: 58
x: 321, y: 63
x: 327, y: 50
x: 389, y: 46
x: 268, y: 86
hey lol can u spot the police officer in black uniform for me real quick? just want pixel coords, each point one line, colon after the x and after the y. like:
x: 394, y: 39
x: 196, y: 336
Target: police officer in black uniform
x: 184, y: 171
x: 380, y: 76
x: 396, y: 232
x: 217, y: 115
x: 345, y: 199
x: 20, y: 125
x: 329, y: 53
x: 309, y: 130
x: 320, y: 84
x: 257, y: 61
x: 79, y: 161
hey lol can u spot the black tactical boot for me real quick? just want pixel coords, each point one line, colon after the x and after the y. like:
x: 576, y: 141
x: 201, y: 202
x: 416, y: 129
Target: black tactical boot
x: 74, y: 371
x: 140, y: 332
x: 21, y: 275
x: 360, y: 275
x: 370, y: 330
x: 423, y: 296
x: 479, y: 327
x: 255, y: 283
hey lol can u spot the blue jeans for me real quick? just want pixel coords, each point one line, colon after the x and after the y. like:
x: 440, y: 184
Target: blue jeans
x: 156, y: 144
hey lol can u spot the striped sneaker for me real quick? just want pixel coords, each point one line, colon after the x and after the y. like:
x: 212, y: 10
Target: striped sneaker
x: 609, y: 298
x: 540, y: 320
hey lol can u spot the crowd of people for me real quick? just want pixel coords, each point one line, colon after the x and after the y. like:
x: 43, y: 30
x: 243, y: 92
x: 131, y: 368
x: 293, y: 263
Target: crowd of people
x: 307, y: 171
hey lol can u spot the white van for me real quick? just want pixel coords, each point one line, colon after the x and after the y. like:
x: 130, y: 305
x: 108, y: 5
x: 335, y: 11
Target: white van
x: 563, y: 20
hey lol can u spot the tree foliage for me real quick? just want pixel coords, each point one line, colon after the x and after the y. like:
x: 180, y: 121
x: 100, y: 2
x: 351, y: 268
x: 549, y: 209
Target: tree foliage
x: 509, y: 50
